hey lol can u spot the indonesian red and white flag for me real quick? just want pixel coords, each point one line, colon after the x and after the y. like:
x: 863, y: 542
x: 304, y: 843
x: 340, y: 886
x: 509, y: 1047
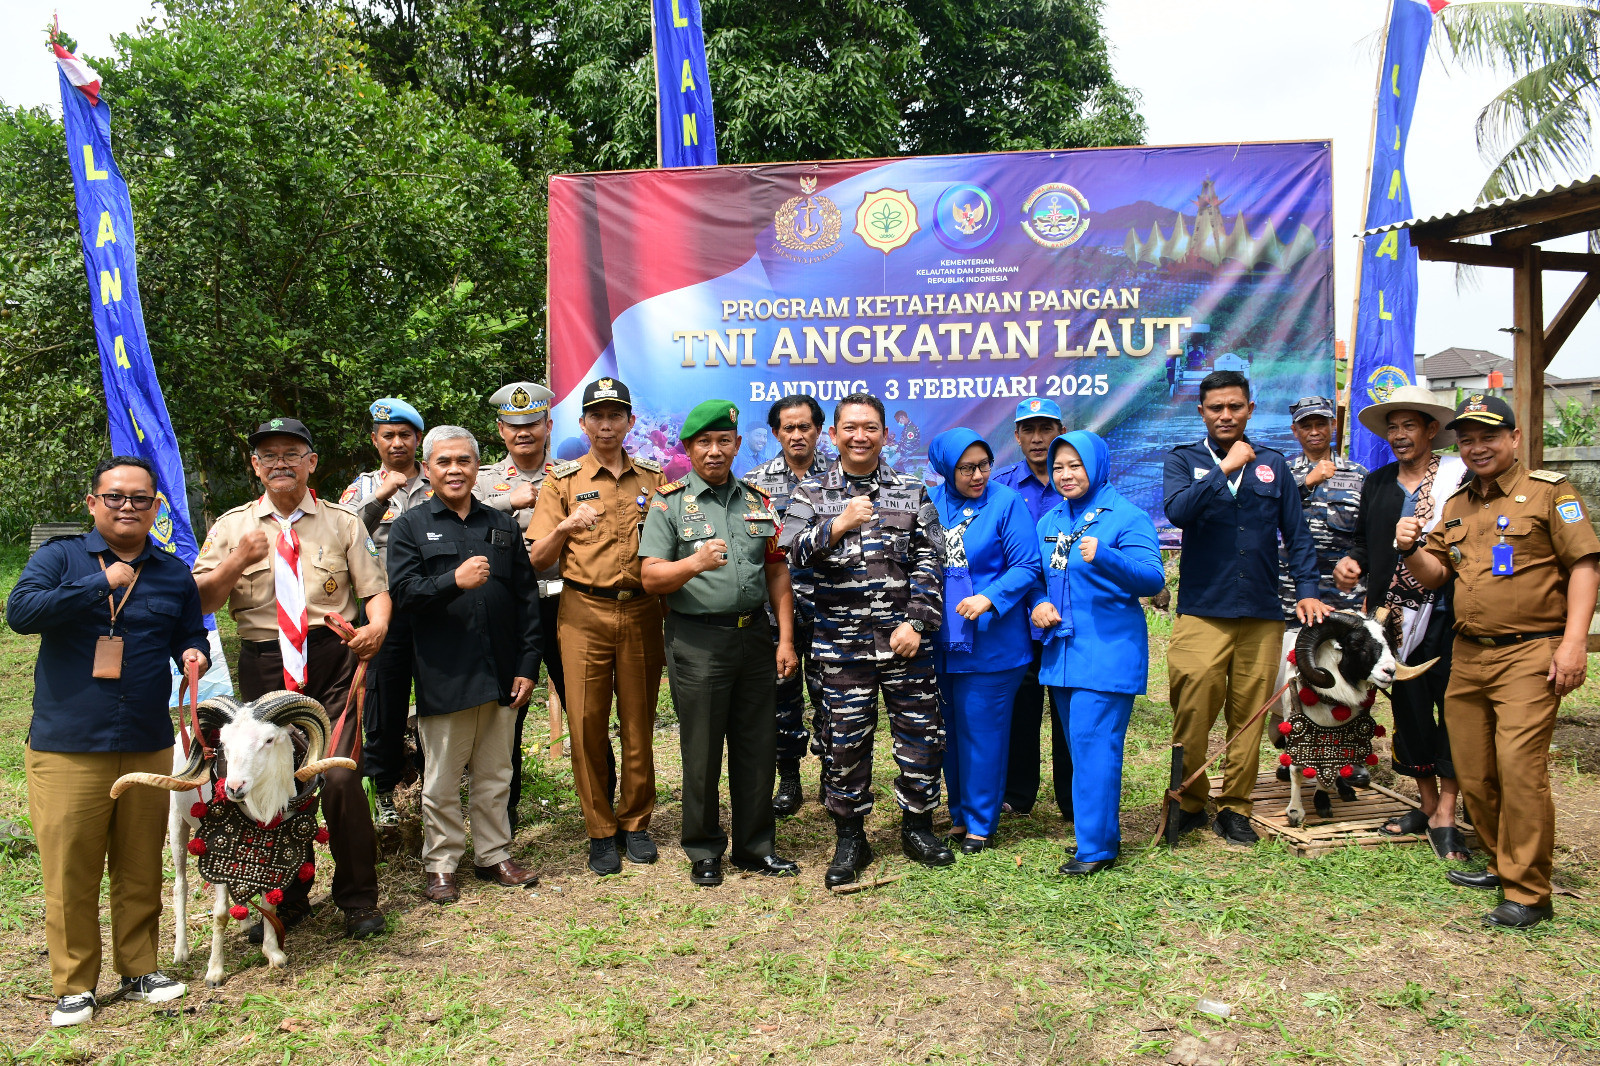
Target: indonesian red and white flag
x: 289, y: 586
x: 79, y: 73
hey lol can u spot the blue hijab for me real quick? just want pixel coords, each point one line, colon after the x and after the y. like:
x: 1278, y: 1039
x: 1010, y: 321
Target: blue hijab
x: 944, y: 452
x: 1095, y: 455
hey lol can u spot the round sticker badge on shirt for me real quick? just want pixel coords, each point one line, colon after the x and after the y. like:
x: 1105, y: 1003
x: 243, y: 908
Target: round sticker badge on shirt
x: 1265, y: 475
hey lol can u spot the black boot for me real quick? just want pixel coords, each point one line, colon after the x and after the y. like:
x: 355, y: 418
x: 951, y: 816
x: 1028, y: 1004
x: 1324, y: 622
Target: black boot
x: 919, y: 843
x: 851, y: 855
x: 787, y: 800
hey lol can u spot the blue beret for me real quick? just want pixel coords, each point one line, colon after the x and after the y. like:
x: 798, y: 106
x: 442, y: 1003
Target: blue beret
x: 392, y: 410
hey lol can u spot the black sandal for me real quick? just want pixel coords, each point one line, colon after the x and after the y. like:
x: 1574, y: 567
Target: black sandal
x: 1413, y: 823
x: 1447, y: 840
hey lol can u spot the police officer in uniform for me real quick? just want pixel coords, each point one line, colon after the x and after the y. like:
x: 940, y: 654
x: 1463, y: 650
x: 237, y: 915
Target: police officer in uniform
x: 588, y: 517
x: 379, y: 497
x: 873, y: 539
x: 1524, y: 556
x: 242, y: 563
x: 1330, y: 494
x: 710, y: 545
x: 796, y: 421
x: 512, y: 486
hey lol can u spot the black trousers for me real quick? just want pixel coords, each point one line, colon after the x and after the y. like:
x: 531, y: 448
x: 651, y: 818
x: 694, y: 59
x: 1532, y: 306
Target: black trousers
x: 1022, y: 763
x: 388, y: 707
x: 548, y: 607
x: 1421, y: 741
x: 330, y: 667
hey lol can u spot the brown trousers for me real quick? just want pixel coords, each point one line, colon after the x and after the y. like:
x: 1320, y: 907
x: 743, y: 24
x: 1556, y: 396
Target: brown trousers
x: 1226, y: 665
x: 612, y: 647
x: 1501, y: 711
x: 330, y: 667
x: 79, y: 826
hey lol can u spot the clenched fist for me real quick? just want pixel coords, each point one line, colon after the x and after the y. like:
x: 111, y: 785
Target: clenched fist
x: 584, y: 517
x: 119, y: 575
x: 473, y: 573
x: 252, y: 547
x: 857, y: 513
x: 712, y: 555
x: 1238, y: 456
x: 1407, y: 532
x: 390, y: 483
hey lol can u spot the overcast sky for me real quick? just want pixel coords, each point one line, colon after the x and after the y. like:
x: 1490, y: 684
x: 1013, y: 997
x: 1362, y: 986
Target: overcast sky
x: 1222, y: 70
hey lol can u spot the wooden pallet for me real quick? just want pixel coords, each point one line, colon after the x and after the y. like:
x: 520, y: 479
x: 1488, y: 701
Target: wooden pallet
x: 1356, y: 824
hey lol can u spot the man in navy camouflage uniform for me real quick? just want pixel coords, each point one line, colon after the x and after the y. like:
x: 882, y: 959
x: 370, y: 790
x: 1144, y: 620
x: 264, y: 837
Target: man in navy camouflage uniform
x: 796, y: 422
x: 873, y: 541
x: 1330, y: 493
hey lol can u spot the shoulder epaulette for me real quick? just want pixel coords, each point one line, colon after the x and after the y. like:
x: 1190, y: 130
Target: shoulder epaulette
x: 235, y: 510
x: 1463, y: 487
x: 64, y: 536
x: 1554, y: 477
x: 566, y: 469
x: 646, y: 464
x: 670, y: 487
x: 345, y: 507
x: 751, y: 485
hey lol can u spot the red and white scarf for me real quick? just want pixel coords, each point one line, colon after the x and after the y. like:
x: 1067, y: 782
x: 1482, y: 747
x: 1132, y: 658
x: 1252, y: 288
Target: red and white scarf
x: 290, y: 588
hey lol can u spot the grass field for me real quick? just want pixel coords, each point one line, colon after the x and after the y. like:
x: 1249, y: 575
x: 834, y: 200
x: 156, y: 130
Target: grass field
x: 1364, y: 956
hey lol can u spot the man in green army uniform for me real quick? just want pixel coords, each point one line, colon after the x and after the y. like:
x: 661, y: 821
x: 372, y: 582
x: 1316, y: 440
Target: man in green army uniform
x: 710, y: 545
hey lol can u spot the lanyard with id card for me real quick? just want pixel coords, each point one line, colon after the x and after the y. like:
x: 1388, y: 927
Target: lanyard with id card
x: 108, y: 649
x: 1504, y: 563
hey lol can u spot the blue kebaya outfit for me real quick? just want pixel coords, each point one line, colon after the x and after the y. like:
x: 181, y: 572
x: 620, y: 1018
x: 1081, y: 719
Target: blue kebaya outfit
x: 1096, y: 659
x: 991, y: 551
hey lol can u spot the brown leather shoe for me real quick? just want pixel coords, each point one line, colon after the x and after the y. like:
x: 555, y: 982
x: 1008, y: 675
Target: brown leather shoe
x: 441, y: 888
x: 508, y: 873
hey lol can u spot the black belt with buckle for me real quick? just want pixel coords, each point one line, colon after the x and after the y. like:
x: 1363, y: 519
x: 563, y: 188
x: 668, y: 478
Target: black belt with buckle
x: 604, y: 594
x: 1514, y: 638
x: 725, y: 621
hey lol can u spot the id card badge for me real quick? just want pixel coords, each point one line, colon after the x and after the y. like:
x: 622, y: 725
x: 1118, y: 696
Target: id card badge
x: 1504, y: 562
x: 108, y: 658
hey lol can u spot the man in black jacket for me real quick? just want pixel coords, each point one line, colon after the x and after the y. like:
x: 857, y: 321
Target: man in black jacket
x: 1416, y: 484
x: 460, y: 571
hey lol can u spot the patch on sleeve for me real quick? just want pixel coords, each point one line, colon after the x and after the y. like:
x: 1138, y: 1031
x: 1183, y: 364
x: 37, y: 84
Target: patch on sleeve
x: 350, y: 494
x: 1571, y: 511
x: 1200, y: 472
x: 372, y: 549
x: 660, y: 505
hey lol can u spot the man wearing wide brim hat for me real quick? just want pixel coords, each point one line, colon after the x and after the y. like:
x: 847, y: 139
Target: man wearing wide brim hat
x: 1415, y: 485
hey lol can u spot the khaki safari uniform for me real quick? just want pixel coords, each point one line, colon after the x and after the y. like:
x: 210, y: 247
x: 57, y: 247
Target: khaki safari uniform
x: 339, y: 565
x: 720, y: 660
x: 378, y: 515
x: 1500, y: 707
x: 610, y: 634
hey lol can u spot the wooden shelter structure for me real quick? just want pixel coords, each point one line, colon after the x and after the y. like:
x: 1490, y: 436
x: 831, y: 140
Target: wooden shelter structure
x: 1515, y: 228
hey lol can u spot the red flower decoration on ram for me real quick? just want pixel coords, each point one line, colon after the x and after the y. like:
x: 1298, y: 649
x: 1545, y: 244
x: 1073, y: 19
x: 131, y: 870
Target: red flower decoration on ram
x: 322, y: 834
x: 1309, y: 697
x: 307, y: 871
x: 197, y: 846
x: 239, y: 912
x: 197, y: 810
x: 273, y: 896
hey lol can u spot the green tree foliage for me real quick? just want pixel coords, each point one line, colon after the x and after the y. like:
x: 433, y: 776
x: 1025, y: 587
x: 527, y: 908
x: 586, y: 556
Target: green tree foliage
x: 309, y: 239
x: 790, y: 80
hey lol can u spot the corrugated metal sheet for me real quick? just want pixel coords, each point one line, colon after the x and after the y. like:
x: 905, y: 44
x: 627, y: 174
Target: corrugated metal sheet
x: 1464, y: 212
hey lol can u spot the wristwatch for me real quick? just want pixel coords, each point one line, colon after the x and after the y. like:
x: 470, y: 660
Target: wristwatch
x: 1406, y: 553
x: 917, y: 624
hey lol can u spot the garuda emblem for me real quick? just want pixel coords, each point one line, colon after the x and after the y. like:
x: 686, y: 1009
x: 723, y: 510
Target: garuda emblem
x: 807, y: 226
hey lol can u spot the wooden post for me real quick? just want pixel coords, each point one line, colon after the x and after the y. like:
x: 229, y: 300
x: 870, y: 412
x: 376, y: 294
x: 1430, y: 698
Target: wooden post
x: 556, y: 747
x: 1527, y: 289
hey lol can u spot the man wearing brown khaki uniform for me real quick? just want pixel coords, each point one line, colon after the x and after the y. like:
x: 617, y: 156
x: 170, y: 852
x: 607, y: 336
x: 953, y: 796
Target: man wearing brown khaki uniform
x: 290, y: 555
x: 1524, y: 555
x: 588, y: 516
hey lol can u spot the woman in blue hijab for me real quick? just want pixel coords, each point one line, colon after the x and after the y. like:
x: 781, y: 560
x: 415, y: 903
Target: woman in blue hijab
x: 983, y: 649
x: 1100, y: 554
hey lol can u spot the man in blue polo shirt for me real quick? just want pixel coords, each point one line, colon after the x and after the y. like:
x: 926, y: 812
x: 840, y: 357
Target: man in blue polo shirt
x: 1232, y: 500
x: 112, y: 608
x: 1038, y: 423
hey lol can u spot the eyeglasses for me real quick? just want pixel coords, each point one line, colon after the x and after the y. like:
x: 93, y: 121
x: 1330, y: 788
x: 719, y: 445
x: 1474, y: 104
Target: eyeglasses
x: 292, y: 459
x: 968, y: 469
x: 115, y: 500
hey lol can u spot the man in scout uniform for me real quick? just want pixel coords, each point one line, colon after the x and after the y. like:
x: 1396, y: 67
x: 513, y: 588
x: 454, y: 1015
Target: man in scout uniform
x: 1330, y: 493
x: 710, y: 545
x: 796, y: 421
x: 282, y: 564
x: 1036, y: 425
x: 512, y: 486
x: 1523, y: 553
x: 588, y: 517
x: 873, y: 539
x: 379, y: 496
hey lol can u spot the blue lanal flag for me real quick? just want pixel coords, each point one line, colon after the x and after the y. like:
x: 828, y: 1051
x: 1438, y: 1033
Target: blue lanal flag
x: 135, y: 409
x: 683, y: 90
x: 1386, y: 319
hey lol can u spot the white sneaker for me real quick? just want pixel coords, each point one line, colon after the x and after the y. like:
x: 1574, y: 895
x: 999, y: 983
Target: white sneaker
x: 154, y: 987
x: 386, y: 813
x: 73, y: 1010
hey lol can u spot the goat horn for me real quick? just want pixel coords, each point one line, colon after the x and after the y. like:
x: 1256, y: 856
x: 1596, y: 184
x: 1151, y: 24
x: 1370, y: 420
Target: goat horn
x: 1305, y: 659
x: 1407, y: 673
x: 166, y: 781
x: 312, y: 769
x: 1380, y: 614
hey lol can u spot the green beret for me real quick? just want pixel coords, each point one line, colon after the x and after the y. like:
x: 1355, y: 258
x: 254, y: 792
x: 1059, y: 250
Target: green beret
x: 711, y: 414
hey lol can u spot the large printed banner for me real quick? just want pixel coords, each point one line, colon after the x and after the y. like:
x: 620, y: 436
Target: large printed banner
x: 954, y: 287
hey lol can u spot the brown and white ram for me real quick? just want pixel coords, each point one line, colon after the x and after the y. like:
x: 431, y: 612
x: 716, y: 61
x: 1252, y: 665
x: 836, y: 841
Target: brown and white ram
x: 253, y: 754
x: 1327, y: 728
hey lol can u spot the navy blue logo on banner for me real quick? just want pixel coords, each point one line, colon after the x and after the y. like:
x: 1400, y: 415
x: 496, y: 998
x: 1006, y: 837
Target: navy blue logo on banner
x: 966, y: 217
x: 1055, y: 215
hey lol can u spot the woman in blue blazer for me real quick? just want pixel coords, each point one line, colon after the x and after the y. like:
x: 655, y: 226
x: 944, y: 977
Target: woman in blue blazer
x: 1100, y: 554
x: 983, y: 648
